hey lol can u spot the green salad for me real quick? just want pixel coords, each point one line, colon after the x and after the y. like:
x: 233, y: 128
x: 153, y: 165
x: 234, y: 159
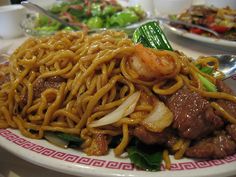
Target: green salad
x: 90, y: 14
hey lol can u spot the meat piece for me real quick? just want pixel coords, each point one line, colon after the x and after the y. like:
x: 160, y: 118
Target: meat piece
x: 40, y: 85
x: 99, y: 146
x: 149, y: 137
x: 222, y: 87
x: 228, y: 106
x: 4, y: 75
x: 231, y: 130
x: 219, y: 146
x: 193, y: 115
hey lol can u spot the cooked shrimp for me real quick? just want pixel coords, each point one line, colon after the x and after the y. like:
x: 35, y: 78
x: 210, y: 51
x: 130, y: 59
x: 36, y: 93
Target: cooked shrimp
x: 149, y: 64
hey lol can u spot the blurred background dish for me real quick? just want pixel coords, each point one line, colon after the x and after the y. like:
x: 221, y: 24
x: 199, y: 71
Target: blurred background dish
x: 220, y: 20
x: 206, y: 40
x: 10, y: 19
x: 97, y: 15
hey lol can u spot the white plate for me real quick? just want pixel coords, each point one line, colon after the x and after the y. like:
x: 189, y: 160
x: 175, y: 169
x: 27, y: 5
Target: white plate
x: 209, y: 40
x: 74, y: 162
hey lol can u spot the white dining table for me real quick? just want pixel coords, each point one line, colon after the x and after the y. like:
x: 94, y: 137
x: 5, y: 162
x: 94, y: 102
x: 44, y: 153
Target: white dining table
x: 13, y: 166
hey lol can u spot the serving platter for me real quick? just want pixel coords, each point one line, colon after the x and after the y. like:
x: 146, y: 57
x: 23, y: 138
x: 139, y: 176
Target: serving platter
x: 40, y: 152
x: 196, y: 37
x: 75, y: 162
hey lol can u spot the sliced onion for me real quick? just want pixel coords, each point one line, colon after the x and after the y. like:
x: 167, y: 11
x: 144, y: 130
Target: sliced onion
x: 126, y: 108
x: 160, y: 118
x: 52, y: 138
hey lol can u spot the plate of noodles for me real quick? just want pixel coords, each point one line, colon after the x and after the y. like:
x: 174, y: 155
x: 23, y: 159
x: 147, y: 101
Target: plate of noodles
x: 101, y: 105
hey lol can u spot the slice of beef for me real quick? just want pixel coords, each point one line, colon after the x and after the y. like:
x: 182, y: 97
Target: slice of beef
x: 148, y: 137
x: 193, y: 115
x: 231, y: 130
x: 228, y: 106
x: 40, y: 85
x: 216, y: 147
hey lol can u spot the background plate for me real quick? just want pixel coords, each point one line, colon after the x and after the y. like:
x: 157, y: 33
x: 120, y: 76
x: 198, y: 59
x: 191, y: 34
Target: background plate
x: 212, y: 41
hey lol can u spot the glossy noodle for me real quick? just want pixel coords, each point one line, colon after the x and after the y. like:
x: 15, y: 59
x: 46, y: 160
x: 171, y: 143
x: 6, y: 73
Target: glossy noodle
x: 67, y: 82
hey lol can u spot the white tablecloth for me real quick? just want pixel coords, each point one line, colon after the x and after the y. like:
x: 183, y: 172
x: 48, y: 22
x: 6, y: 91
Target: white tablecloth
x: 12, y: 166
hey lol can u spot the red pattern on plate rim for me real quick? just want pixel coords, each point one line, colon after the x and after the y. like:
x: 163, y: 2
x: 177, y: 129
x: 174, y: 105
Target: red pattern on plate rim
x: 19, y: 141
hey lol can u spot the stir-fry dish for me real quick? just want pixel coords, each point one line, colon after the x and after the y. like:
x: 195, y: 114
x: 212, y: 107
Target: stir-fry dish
x: 220, y: 20
x: 90, y: 14
x: 104, y: 91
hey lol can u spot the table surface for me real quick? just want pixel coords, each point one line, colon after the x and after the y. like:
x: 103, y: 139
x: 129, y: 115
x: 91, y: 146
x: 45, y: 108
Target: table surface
x: 12, y: 166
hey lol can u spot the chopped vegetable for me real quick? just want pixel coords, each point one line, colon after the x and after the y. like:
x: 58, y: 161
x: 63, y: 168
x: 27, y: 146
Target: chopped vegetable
x: 196, y: 30
x: 63, y: 139
x: 138, y: 10
x: 96, y: 10
x: 126, y: 108
x: 123, y: 18
x: 109, y: 10
x: 207, y: 70
x: 144, y: 160
x: 160, y: 118
x: 152, y: 36
x: 207, y: 84
x: 74, y: 141
x: 54, y: 139
x: 95, y: 22
x: 220, y: 29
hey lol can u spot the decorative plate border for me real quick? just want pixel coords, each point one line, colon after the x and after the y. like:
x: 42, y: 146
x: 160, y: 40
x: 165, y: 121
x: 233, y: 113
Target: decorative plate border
x: 19, y: 141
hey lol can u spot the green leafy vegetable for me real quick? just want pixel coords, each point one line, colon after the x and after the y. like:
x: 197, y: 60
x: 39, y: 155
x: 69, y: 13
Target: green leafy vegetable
x: 77, y: 13
x: 207, y: 70
x: 123, y: 18
x: 74, y: 141
x: 96, y: 9
x: 152, y: 36
x: 207, y: 84
x: 138, y: 10
x: 144, y: 160
x: 95, y: 22
x: 109, y: 10
x: 56, y: 8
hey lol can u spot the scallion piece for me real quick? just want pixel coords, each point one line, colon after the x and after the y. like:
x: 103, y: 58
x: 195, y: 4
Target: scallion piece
x: 207, y: 84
